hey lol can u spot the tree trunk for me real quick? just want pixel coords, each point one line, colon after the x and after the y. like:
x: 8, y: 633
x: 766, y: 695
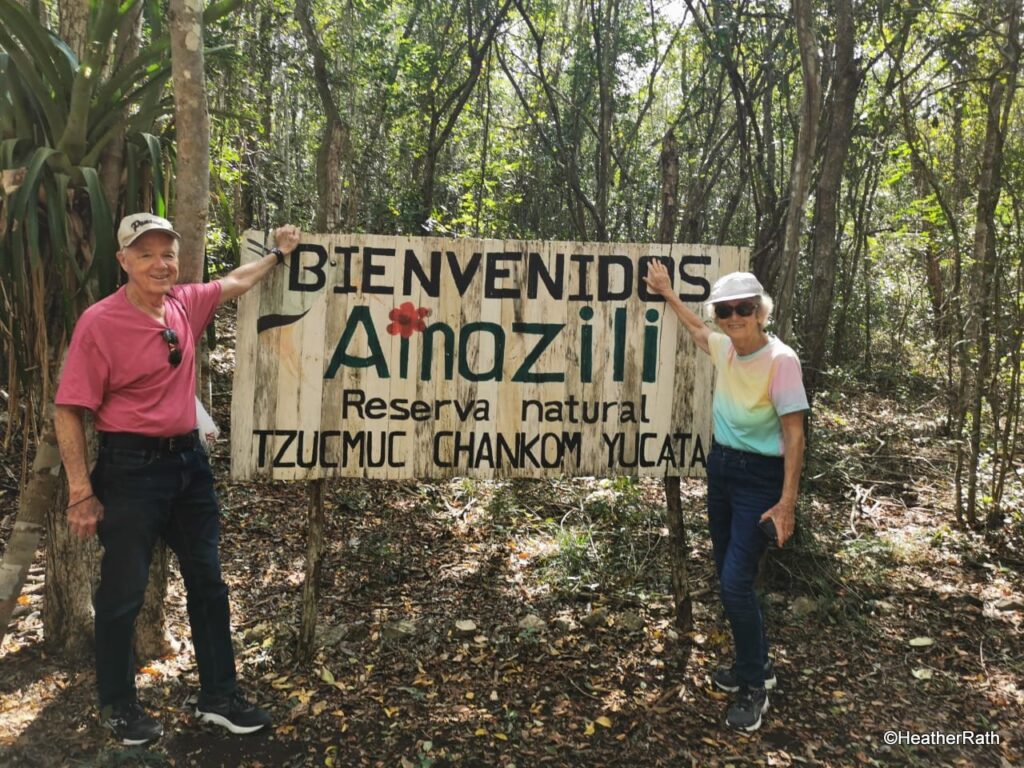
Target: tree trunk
x: 485, y: 148
x: 335, y: 146
x: 72, y: 571
x: 252, y: 211
x: 604, y: 29
x: 34, y: 505
x: 862, y: 208
x: 868, y: 283
x: 981, y: 320
x: 803, y: 159
x: 679, y: 547
x: 1006, y: 438
x: 932, y: 254
x: 330, y: 172
x: 72, y: 568
x: 153, y: 640
x: 192, y: 122
x: 669, y: 186
x: 825, y: 239
x: 74, y: 24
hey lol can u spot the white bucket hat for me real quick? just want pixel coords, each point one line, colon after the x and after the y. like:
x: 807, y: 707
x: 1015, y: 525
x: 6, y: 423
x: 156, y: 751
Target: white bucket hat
x: 735, y: 285
x: 136, y: 225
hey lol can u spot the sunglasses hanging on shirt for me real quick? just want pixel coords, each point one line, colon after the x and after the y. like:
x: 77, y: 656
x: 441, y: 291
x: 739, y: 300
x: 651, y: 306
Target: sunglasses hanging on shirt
x: 174, y: 355
x: 743, y: 309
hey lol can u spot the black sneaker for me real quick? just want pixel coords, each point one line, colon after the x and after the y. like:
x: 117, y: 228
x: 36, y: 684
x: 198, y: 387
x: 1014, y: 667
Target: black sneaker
x: 745, y: 713
x: 234, y: 713
x: 725, y: 678
x: 131, y: 725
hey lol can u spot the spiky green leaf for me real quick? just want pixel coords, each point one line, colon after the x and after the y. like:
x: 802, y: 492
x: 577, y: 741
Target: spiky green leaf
x: 102, y: 228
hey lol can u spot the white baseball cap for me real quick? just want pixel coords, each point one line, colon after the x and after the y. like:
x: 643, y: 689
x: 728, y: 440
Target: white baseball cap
x: 735, y: 285
x: 134, y: 226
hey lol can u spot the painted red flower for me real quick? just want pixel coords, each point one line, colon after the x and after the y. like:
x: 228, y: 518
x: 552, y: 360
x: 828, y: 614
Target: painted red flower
x: 407, y: 320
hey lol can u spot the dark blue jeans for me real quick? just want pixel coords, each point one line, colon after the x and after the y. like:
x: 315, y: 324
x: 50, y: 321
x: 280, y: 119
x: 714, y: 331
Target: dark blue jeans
x: 741, y: 487
x: 148, y: 495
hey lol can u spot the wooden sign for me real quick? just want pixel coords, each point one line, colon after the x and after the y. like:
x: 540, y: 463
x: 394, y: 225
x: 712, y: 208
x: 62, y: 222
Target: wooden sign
x: 391, y: 358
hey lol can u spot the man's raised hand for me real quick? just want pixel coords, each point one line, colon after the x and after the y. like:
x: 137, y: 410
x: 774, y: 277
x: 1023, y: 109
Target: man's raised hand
x: 287, y: 237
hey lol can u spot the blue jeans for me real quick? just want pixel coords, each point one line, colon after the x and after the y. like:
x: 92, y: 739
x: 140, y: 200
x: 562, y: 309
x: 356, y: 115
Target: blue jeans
x: 149, y: 494
x: 741, y: 487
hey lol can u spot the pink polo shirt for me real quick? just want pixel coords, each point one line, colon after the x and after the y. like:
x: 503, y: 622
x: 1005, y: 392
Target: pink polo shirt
x: 117, y: 363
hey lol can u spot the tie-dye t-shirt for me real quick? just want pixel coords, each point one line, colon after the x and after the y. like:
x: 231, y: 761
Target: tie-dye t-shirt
x: 752, y: 392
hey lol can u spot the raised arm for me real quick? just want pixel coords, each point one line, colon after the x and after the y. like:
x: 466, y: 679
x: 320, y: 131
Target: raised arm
x: 240, y: 280
x: 658, y: 282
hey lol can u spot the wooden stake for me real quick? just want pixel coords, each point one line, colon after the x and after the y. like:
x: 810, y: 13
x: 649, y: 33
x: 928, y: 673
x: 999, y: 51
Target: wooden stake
x: 314, y: 554
x: 679, y: 548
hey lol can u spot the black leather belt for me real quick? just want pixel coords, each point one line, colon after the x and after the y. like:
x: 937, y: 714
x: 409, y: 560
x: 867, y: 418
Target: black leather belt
x: 134, y: 442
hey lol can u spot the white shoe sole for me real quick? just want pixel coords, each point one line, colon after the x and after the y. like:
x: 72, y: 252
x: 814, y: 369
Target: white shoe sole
x: 213, y: 717
x: 133, y: 742
x: 769, y: 684
x: 755, y: 725
x: 136, y: 742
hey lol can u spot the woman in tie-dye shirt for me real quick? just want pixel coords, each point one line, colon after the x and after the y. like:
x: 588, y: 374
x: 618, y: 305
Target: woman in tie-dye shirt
x: 753, y: 466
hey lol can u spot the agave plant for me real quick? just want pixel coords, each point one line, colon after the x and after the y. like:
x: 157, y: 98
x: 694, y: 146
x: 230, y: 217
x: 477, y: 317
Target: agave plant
x: 57, y: 116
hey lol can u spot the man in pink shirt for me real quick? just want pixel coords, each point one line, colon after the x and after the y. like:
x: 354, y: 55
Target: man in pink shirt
x: 132, y: 363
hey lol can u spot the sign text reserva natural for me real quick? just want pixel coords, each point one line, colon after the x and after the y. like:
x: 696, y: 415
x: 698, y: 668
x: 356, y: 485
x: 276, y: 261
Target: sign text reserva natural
x: 391, y: 357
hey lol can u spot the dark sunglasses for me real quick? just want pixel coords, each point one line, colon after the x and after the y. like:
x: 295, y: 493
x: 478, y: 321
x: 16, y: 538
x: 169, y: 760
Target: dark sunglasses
x: 743, y: 309
x: 174, y: 356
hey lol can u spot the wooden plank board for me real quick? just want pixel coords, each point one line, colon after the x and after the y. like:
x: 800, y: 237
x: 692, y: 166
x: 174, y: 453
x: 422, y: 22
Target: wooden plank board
x: 514, y: 359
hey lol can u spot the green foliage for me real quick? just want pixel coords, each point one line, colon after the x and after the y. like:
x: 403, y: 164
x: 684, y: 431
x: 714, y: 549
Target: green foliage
x: 57, y: 238
x: 617, y: 501
x: 574, y: 556
x: 581, y: 533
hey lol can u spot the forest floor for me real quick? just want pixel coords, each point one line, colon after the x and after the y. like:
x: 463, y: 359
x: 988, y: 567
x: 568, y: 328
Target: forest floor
x: 884, y: 617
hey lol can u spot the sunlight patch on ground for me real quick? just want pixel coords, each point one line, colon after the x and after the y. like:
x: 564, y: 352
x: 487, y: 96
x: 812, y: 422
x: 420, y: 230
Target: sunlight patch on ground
x: 524, y: 549
x: 19, y: 709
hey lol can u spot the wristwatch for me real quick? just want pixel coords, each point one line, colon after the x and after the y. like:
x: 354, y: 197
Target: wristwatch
x: 279, y: 253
